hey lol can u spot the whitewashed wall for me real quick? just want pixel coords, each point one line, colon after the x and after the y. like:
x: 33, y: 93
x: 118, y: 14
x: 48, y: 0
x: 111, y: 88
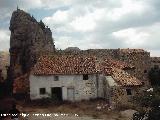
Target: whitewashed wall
x: 83, y: 89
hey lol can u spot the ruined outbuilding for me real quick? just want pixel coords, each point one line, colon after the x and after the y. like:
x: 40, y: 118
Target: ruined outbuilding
x: 119, y: 85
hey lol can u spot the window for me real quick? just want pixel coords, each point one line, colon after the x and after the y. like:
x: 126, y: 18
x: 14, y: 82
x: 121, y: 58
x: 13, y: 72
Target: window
x: 42, y: 91
x: 85, y: 77
x: 156, y: 67
x: 56, y: 78
x: 143, y: 83
x: 124, y: 57
x: 129, y: 92
x: 145, y: 71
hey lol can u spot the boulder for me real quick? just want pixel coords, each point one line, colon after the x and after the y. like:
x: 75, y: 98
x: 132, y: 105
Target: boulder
x: 128, y: 113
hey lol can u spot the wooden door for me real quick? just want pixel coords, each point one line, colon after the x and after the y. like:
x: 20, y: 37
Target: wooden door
x: 70, y: 94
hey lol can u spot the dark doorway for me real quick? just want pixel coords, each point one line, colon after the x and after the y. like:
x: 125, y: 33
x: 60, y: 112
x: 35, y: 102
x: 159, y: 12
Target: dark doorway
x: 56, y: 93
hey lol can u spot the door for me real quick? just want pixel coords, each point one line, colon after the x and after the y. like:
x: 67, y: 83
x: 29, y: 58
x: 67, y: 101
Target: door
x: 70, y: 94
x: 56, y: 93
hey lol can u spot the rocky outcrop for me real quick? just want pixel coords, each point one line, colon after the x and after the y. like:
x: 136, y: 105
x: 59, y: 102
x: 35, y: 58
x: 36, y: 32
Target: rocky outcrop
x: 28, y: 40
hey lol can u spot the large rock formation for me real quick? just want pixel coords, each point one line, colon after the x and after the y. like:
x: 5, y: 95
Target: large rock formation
x: 28, y: 40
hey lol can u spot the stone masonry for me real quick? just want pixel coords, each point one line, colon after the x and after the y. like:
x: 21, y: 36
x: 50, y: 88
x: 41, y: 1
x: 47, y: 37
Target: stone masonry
x: 155, y: 62
x: 137, y: 57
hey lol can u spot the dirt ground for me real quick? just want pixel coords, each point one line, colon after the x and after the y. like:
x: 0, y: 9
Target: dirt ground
x: 84, y: 110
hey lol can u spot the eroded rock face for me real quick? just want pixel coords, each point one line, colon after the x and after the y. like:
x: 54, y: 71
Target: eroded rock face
x: 28, y: 40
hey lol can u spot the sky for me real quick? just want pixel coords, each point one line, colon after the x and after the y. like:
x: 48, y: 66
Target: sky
x: 91, y: 24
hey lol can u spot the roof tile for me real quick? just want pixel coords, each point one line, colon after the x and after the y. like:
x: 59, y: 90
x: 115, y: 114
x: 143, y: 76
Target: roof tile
x: 50, y: 65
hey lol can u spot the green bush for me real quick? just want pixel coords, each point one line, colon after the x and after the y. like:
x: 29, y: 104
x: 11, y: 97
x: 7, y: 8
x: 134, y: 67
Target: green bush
x: 42, y: 24
x: 151, y: 101
x: 154, y: 76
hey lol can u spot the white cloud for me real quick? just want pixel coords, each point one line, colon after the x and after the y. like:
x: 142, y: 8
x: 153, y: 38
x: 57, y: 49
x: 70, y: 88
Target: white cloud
x: 59, y: 17
x: 87, y: 22
x: 132, y: 37
x: 83, y: 24
x: 4, y: 35
x: 63, y: 42
x: 154, y: 53
x: 4, y: 39
x: 52, y: 4
x: 103, y: 24
x: 30, y: 4
x: 127, y: 7
x: 97, y: 23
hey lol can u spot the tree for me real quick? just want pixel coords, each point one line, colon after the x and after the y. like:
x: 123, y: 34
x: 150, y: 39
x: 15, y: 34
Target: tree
x: 151, y: 101
x: 42, y: 24
x: 154, y: 76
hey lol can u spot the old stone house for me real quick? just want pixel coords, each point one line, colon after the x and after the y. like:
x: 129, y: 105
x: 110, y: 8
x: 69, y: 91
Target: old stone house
x: 119, y: 85
x: 75, y: 78
x: 70, y: 78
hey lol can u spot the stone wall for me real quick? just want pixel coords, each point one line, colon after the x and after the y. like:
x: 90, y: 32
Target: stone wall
x: 99, y: 53
x: 83, y: 89
x: 155, y: 61
x: 137, y: 57
x: 119, y: 95
x: 116, y: 94
x: 140, y: 59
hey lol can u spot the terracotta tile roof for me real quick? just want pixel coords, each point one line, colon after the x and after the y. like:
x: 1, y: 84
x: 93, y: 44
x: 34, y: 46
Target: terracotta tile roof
x: 109, y: 63
x: 21, y: 84
x: 49, y: 65
x: 115, y: 69
x: 125, y: 79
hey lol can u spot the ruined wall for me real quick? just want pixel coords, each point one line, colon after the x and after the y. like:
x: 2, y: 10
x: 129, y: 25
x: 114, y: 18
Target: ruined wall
x: 119, y: 95
x: 137, y: 57
x: 155, y: 61
x: 28, y: 39
x: 140, y: 59
x: 99, y: 53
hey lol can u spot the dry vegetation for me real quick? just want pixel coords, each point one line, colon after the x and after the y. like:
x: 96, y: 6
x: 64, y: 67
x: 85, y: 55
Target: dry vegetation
x: 86, y: 110
x: 82, y: 109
